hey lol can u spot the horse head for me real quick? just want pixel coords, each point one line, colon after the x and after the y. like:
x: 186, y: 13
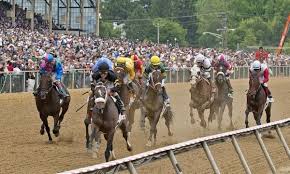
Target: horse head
x: 101, y: 95
x: 45, y: 86
x: 121, y: 74
x: 254, y: 83
x: 155, y: 80
x: 220, y: 76
x: 195, y: 75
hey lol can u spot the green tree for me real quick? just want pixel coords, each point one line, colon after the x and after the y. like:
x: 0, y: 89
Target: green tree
x: 107, y: 30
x: 170, y: 30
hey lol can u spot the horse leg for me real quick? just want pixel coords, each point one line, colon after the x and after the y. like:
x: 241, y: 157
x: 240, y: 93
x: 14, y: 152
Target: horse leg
x: 257, y: 116
x: 230, y: 112
x: 131, y: 116
x: 220, y: 115
x: 63, y: 111
x: 109, y: 150
x: 149, y: 142
x: 87, y: 122
x: 126, y: 135
x: 55, y: 126
x: 42, y: 129
x: 268, y: 119
x: 168, y: 115
x: 268, y: 113
x: 142, y: 119
x: 44, y: 120
x: 247, y: 117
x: 191, y: 113
x: 201, y: 116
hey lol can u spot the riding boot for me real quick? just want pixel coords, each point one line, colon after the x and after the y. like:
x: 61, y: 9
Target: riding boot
x: 231, y: 91
x: 120, y: 107
x: 35, y: 93
x: 165, y: 97
x: 62, y: 91
x: 269, y: 95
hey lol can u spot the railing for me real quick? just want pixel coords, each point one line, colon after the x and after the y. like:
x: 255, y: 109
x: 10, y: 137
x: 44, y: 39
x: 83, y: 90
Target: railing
x: 74, y: 79
x: 131, y: 162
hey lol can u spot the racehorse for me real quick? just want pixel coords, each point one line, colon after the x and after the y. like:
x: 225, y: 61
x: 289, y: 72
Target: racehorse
x: 126, y: 95
x: 257, y: 100
x: 201, y: 96
x: 153, y: 105
x: 222, y: 99
x: 104, y: 119
x: 48, y: 104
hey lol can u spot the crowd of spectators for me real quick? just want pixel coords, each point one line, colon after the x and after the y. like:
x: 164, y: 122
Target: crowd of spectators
x: 22, y: 49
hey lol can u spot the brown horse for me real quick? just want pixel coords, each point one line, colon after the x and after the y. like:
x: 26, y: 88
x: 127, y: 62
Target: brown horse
x: 48, y: 104
x: 153, y: 105
x: 104, y: 119
x: 130, y: 100
x: 201, y: 97
x: 257, y: 100
x: 222, y: 100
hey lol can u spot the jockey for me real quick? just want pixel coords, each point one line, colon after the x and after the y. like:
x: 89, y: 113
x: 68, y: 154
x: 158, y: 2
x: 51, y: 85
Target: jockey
x: 204, y: 64
x: 103, y: 71
x: 260, y: 67
x: 128, y: 65
x: 228, y: 67
x: 138, y: 66
x: 155, y: 64
x: 50, y: 64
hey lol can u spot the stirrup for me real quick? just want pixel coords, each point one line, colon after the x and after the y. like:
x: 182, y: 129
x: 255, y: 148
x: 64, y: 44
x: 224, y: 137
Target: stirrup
x: 121, y: 118
x: 270, y: 100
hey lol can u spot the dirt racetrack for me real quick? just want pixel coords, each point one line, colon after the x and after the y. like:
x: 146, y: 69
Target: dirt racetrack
x: 24, y: 150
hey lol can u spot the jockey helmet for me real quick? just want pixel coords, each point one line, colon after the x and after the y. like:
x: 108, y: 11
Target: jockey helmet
x: 48, y: 58
x: 155, y: 60
x: 256, y: 65
x: 199, y: 58
x: 104, y: 67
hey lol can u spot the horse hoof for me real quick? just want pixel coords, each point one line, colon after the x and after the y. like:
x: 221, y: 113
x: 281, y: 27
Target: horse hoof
x: 149, y: 144
x: 170, y: 134
x: 41, y: 131
x: 203, y: 124
x: 56, y: 134
x: 129, y: 147
x: 49, y: 141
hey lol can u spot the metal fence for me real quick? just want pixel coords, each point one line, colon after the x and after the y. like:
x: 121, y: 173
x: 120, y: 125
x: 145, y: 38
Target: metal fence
x: 131, y: 162
x: 74, y: 79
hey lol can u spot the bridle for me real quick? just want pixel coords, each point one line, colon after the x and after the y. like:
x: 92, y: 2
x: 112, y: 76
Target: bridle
x: 152, y: 84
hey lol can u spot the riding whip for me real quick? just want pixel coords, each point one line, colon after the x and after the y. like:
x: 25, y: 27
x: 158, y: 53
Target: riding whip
x: 84, y: 104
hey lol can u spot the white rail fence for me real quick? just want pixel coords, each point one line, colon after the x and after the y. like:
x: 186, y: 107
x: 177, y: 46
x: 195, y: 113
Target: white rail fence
x: 130, y: 163
x: 74, y: 79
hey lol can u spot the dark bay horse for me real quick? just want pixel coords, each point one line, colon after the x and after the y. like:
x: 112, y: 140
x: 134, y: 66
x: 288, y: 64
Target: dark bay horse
x: 153, y: 105
x: 201, y: 97
x: 222, y: 99
x: 48, y: 104
x: 104, y: 119
x: 257, y: 100
x: 130, y: 100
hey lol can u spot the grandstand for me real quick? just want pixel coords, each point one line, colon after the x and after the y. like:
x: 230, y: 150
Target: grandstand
x: 64, y: 15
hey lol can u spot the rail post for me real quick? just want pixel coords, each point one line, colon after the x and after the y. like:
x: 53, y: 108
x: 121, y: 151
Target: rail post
x: 10, y: 83
x: 264, y: 149
x: 84, y: 78
x: 24, y: 81
x: 174, y: 162
x: 210, y: 158
x: 131, y: 168
x: 281, y: 137
x: 240, y: 154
